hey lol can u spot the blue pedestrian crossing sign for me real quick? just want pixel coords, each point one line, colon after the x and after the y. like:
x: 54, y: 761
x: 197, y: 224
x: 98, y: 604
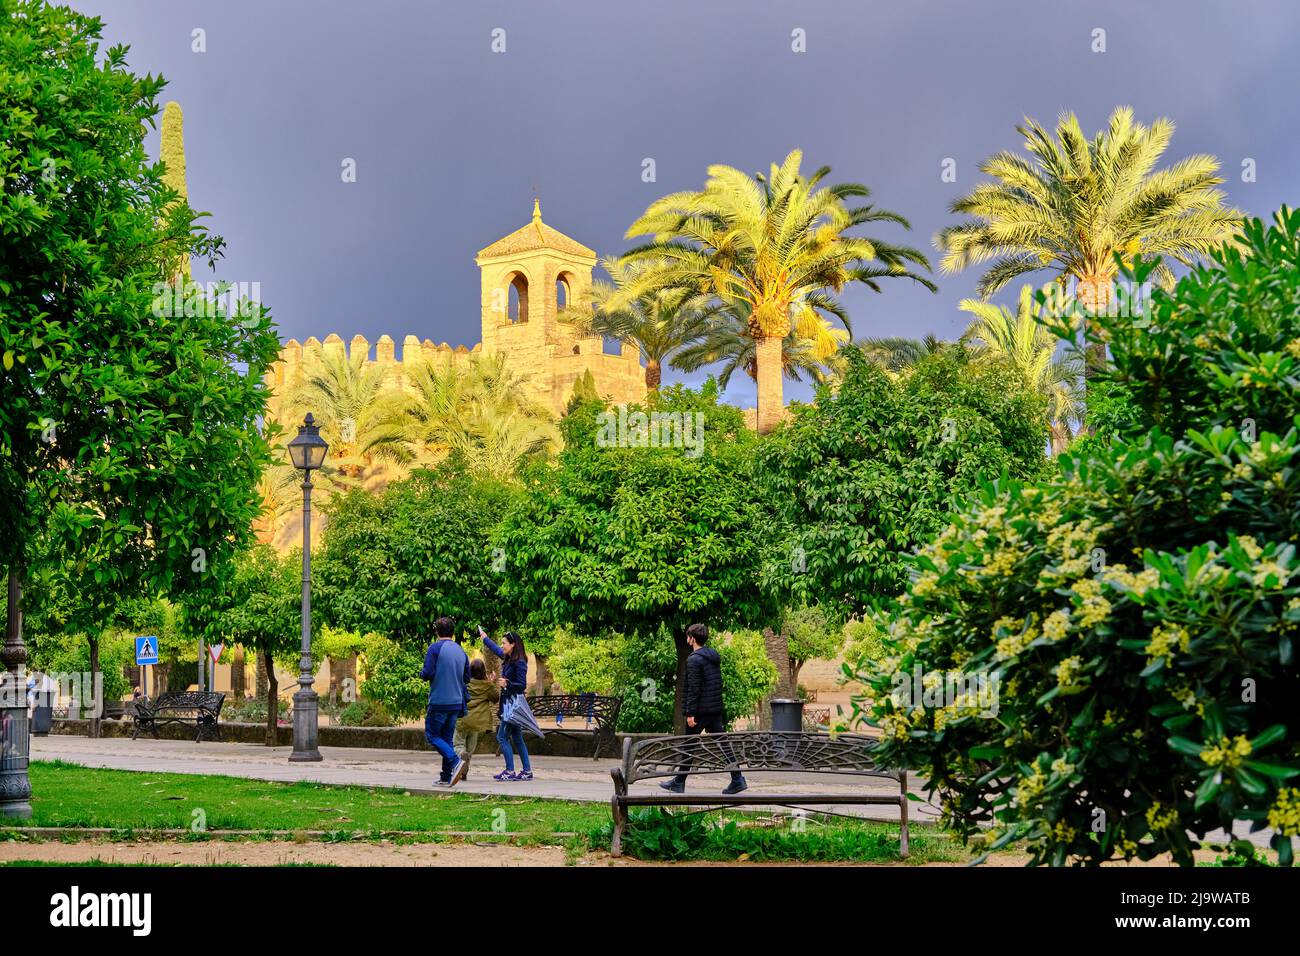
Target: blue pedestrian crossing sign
x: 146, y: 650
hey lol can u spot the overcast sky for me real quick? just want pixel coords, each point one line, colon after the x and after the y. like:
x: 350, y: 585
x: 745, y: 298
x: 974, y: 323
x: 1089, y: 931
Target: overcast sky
x: 451, y: 139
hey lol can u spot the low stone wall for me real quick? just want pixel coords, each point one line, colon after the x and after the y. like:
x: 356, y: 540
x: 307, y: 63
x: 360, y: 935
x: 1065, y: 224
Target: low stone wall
x: 572, y: 743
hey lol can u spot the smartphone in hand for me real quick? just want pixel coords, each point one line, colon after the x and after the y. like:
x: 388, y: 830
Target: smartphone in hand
x: 481, y: 633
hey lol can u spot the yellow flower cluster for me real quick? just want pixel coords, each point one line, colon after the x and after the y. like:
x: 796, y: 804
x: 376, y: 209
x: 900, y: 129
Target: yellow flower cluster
x: 924, y: 584
x: 1057, y: 624
x: 1248, y: 544
x: 1063, y: 832
x: 1094, y: 608
x: 1062, y: 767
x: 1068, y: 672
x: 1165, y: 640
x: 1242, y: 472
x: 1227, y: 753
x: 1271, y: 569
x: 1160, y: 819
x: 1138, y: 585
x: 1294, y: 347
x: 1029, y: 789
x: 1185, y: 695
x: 1003, y: 562
x: 1015, y: 642
x: 1284, y: 815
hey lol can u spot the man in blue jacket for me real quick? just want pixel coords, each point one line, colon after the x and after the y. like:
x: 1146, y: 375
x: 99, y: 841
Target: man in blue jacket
x: 446, y: 668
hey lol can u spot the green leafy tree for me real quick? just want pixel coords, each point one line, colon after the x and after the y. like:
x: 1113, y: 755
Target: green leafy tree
x: 1140, y: 612
x: 778, y: 243
x: 392, y: 563
x: 635, y: 539
x: 870, y: 472
x: 264, y: 614
x: 811, y: 634
x: 128, y: 427
x: 1023, y: 340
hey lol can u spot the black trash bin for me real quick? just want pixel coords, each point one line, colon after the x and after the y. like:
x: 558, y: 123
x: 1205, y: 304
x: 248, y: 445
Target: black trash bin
x: 42, y: 720
x: 787, y: 714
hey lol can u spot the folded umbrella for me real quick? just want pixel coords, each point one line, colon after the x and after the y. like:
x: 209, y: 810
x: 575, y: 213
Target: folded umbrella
x: 516, y: 711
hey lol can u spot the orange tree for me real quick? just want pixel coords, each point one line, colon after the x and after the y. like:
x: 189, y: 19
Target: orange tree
x: 1135, y: 620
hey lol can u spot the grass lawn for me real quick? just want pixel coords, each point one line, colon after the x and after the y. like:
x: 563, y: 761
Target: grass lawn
x: 71, y: 797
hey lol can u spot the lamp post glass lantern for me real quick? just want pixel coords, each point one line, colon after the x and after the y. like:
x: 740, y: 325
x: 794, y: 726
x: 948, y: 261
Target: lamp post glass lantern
x: 307, y: 452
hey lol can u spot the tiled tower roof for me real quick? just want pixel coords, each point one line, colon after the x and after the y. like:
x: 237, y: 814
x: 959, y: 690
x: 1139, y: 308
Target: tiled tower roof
x: 535, y: 235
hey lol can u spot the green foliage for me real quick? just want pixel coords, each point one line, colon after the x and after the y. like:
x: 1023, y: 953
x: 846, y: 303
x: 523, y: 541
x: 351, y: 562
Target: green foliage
x: 633, y: 540
x: 643, y: 672
x: 811, y: 634
x: 1140, y: 611
x: 70, y: 654
x: 870, y: 472
x: 657, y: 834
x: 365, y: 713
x: 392, y: 677
x: 264, y: 609
x: 394, y: 562
x: 129, y: 436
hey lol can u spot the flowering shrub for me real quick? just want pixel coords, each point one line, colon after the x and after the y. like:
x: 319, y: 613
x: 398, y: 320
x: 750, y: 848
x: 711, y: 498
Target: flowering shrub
x: 1136, y: 616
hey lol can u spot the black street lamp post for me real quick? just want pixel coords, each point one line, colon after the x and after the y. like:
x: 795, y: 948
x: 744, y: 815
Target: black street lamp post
x: 307, y: 451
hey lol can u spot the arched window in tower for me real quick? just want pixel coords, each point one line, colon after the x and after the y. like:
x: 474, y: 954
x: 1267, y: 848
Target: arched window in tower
x: 563, y: 290
x: 517, y: 305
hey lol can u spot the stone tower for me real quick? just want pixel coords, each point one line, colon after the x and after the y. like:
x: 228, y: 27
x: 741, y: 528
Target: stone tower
x: 527, y: 278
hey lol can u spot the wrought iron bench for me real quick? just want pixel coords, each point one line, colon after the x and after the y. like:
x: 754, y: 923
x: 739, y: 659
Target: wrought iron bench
x: 594, y: 709
x: 201, y: 709
x: 842, y: 756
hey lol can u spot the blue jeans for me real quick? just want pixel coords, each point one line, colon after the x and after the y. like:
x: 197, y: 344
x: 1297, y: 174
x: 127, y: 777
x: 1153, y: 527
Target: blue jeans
x: 440, y: 730
x: 508, y: 734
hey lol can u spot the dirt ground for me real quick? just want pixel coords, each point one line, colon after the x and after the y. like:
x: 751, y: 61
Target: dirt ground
x: 258, y: 853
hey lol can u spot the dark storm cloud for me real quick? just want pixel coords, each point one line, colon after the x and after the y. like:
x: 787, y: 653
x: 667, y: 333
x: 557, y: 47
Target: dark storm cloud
x: 451, y: 139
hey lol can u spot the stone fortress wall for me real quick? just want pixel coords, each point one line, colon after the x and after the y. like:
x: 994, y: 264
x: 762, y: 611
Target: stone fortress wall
x: 526, y: 278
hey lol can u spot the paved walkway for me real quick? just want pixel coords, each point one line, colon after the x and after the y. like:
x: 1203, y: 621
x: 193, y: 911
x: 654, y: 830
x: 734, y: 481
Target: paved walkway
x: 561, y: 778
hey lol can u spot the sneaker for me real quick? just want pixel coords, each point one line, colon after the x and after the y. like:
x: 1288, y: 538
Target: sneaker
x: 524, y: 775
x: 504, y: 775
x: 736, y: 786
x: 673, y: 786
x: 458, y: 772
x: 441, y: 783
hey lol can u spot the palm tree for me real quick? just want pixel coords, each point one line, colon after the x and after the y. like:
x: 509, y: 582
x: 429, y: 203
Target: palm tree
x: 898, y: 355
x: 727, y: 340
x: 1075, y: 204
x: 353, y: 402
x: 774, y: 242
x: 1026, y: 345
x: 480, y: 410
x: 658, y: 323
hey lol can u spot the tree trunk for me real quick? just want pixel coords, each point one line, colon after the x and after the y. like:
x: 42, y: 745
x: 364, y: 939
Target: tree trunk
x: 777, y: 646
x: 654, y: 374
x: 1094, y: 295
x: 259, y: 678
x: 238, y: 676
x: 272, y: 700
x: 1060, y: 438
x: 544, y: 676
x: 96, y: 705
x: 795, y: 668
x: 771, y: 407
x: 343, y: 679
x: 679, y: 690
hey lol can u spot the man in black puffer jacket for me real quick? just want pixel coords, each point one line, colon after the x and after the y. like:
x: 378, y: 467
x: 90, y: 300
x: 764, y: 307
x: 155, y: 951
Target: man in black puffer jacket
x: 702, y: 702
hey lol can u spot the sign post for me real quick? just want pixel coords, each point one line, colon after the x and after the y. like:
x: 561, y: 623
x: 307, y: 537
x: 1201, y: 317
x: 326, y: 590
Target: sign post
x: 146, y: 655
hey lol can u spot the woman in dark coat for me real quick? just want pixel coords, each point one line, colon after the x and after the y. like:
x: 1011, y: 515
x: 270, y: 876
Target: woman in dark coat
x: 513, y: 681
